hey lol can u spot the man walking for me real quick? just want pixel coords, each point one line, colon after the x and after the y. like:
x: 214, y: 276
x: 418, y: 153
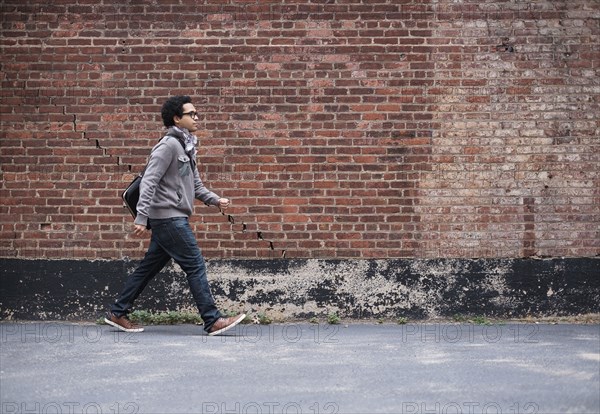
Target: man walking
x: 168, y: 188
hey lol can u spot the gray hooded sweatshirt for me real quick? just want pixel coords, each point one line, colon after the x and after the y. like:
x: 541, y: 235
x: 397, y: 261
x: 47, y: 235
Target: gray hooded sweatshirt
x: 171, y: 183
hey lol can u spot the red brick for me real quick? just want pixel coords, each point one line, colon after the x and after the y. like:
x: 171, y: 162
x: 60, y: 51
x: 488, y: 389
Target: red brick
x: 403, y: 127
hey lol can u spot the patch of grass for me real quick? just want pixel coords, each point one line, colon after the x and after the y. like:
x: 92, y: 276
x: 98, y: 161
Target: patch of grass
x: 481, y: 320
x: 474, y: 319
x: 314, y: 320
x: 264, y: 319
x: 333, y: 319
x: 142, y: 316
x: 164, y: 318
x: 402, y: 321
x: 460, y: 318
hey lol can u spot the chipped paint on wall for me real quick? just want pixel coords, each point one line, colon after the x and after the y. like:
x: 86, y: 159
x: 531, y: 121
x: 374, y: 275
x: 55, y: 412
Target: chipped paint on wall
x: 291, y: 289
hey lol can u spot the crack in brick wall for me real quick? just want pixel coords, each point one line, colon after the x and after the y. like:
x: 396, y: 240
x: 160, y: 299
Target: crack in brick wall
x: 339, y: 130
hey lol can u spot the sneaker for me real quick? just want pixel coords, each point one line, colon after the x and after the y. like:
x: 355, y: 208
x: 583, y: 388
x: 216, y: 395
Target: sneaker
x: 122, y: 323
x: 224, y: 324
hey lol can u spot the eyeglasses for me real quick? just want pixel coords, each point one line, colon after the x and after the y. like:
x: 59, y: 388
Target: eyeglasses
x: 192, y: 114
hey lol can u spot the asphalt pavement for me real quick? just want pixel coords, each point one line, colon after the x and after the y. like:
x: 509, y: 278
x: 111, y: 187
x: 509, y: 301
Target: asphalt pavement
x: 52, y: 367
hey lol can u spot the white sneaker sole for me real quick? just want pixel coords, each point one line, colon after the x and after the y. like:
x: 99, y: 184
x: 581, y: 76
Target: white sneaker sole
x: 116, y: 325
x: 238, y: 320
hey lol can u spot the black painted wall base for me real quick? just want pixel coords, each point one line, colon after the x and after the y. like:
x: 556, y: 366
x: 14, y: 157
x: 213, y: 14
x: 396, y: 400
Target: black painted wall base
x: 413, y: 288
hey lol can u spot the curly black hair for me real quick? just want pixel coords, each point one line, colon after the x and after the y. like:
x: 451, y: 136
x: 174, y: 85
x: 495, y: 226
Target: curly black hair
x: 173, y: 107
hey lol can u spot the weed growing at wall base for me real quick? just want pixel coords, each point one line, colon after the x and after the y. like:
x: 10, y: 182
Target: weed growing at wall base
x: 164, y: 318
x: 333, y: 318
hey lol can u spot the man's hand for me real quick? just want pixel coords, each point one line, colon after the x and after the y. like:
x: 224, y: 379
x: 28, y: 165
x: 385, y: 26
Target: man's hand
x: 224, y: 203
x: 140, y: 230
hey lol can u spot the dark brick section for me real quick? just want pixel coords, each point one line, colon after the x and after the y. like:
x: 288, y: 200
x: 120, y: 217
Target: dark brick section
x: 79, y: 289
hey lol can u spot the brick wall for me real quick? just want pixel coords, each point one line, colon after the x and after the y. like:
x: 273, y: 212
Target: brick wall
x: 338, y: 128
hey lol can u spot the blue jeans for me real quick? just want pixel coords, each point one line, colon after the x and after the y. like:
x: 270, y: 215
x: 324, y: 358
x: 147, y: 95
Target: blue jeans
x: 171, y: 238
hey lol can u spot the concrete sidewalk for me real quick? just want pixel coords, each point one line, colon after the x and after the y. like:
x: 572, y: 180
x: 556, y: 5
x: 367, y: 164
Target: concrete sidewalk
x: 51, y: 367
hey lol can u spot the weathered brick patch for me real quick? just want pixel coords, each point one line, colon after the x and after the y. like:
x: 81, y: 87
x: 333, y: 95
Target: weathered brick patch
x: 302, y: 288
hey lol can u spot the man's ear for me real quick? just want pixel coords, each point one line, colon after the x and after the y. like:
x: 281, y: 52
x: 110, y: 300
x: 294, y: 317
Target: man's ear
x: 176, y: 119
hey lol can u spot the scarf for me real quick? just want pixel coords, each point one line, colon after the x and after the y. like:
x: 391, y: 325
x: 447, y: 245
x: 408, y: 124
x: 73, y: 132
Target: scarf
x: 189, y: 140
